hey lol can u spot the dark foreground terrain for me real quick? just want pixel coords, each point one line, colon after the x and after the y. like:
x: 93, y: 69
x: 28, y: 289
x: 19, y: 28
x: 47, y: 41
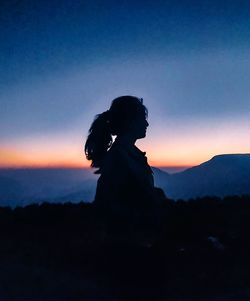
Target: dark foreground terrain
x: 63, y: 252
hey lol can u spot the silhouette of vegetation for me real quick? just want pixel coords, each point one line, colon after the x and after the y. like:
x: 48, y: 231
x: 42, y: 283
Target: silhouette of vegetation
x: 64, y: 252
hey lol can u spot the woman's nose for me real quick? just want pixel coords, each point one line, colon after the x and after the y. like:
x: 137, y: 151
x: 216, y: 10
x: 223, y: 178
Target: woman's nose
x: 147, y: 124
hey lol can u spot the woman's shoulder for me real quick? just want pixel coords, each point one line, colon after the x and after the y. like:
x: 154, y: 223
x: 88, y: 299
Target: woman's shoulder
x: 115, y: 158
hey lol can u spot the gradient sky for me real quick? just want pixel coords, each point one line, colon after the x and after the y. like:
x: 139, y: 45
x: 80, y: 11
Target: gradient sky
x: 62, y: 62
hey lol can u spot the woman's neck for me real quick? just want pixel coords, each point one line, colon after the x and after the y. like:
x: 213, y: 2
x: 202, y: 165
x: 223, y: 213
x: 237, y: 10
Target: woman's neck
x: 127, y: 139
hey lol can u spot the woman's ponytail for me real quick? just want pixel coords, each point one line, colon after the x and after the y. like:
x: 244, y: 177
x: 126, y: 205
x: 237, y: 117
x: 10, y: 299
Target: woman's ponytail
x: 99, y: 139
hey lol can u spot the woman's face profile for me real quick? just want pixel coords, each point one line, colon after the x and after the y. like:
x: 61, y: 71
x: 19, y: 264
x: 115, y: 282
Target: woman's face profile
x: 138, y: 126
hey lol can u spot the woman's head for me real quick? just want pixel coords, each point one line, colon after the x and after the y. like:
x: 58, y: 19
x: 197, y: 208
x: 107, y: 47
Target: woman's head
x: 127, y: 114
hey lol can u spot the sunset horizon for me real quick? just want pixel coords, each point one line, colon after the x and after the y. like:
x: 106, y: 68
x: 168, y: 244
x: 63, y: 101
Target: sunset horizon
x: 85, y: 164
x: 189, y: 63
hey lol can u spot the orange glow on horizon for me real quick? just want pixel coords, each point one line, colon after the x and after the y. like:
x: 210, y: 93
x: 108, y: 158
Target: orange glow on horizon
x: 186, y: 147
x: 43, y: 158
x: 20, y: 159
x: 74, y: 158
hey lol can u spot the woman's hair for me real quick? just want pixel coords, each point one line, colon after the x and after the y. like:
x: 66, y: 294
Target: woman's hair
x: 115, y: 121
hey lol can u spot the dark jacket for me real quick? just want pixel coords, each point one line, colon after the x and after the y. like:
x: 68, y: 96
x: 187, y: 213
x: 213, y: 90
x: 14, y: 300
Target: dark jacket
x: 126, y: 182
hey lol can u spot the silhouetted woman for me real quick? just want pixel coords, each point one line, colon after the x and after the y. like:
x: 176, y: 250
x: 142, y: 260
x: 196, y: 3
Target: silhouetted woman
x: 125, y: 188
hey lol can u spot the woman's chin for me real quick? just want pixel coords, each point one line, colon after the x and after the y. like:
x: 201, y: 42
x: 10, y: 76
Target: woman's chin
x: 143, y: 135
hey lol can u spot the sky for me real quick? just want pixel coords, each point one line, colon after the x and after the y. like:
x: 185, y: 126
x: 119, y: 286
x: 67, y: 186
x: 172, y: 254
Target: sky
x: 62, y: 62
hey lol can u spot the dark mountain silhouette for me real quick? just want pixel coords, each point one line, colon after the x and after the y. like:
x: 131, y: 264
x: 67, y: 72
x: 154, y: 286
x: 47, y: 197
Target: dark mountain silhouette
x: 160, y: 177
x: 87, y: 194
x: 222, y: 175
x: 10, y: 189
x: 25, y: 186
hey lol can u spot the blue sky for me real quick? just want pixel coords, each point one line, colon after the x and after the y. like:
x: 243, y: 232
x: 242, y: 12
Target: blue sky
x: 63, y: 62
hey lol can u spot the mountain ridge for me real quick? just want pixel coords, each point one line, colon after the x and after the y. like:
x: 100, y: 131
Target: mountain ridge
x: 220, y: 176
x: 223, y: 174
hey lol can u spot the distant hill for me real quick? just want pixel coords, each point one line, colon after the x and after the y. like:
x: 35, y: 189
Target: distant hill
x: 25, y: 186
x: 10, y: 189
x: 222, y: 175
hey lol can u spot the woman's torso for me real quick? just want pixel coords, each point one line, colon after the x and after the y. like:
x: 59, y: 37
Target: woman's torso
x: 126, y: 180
